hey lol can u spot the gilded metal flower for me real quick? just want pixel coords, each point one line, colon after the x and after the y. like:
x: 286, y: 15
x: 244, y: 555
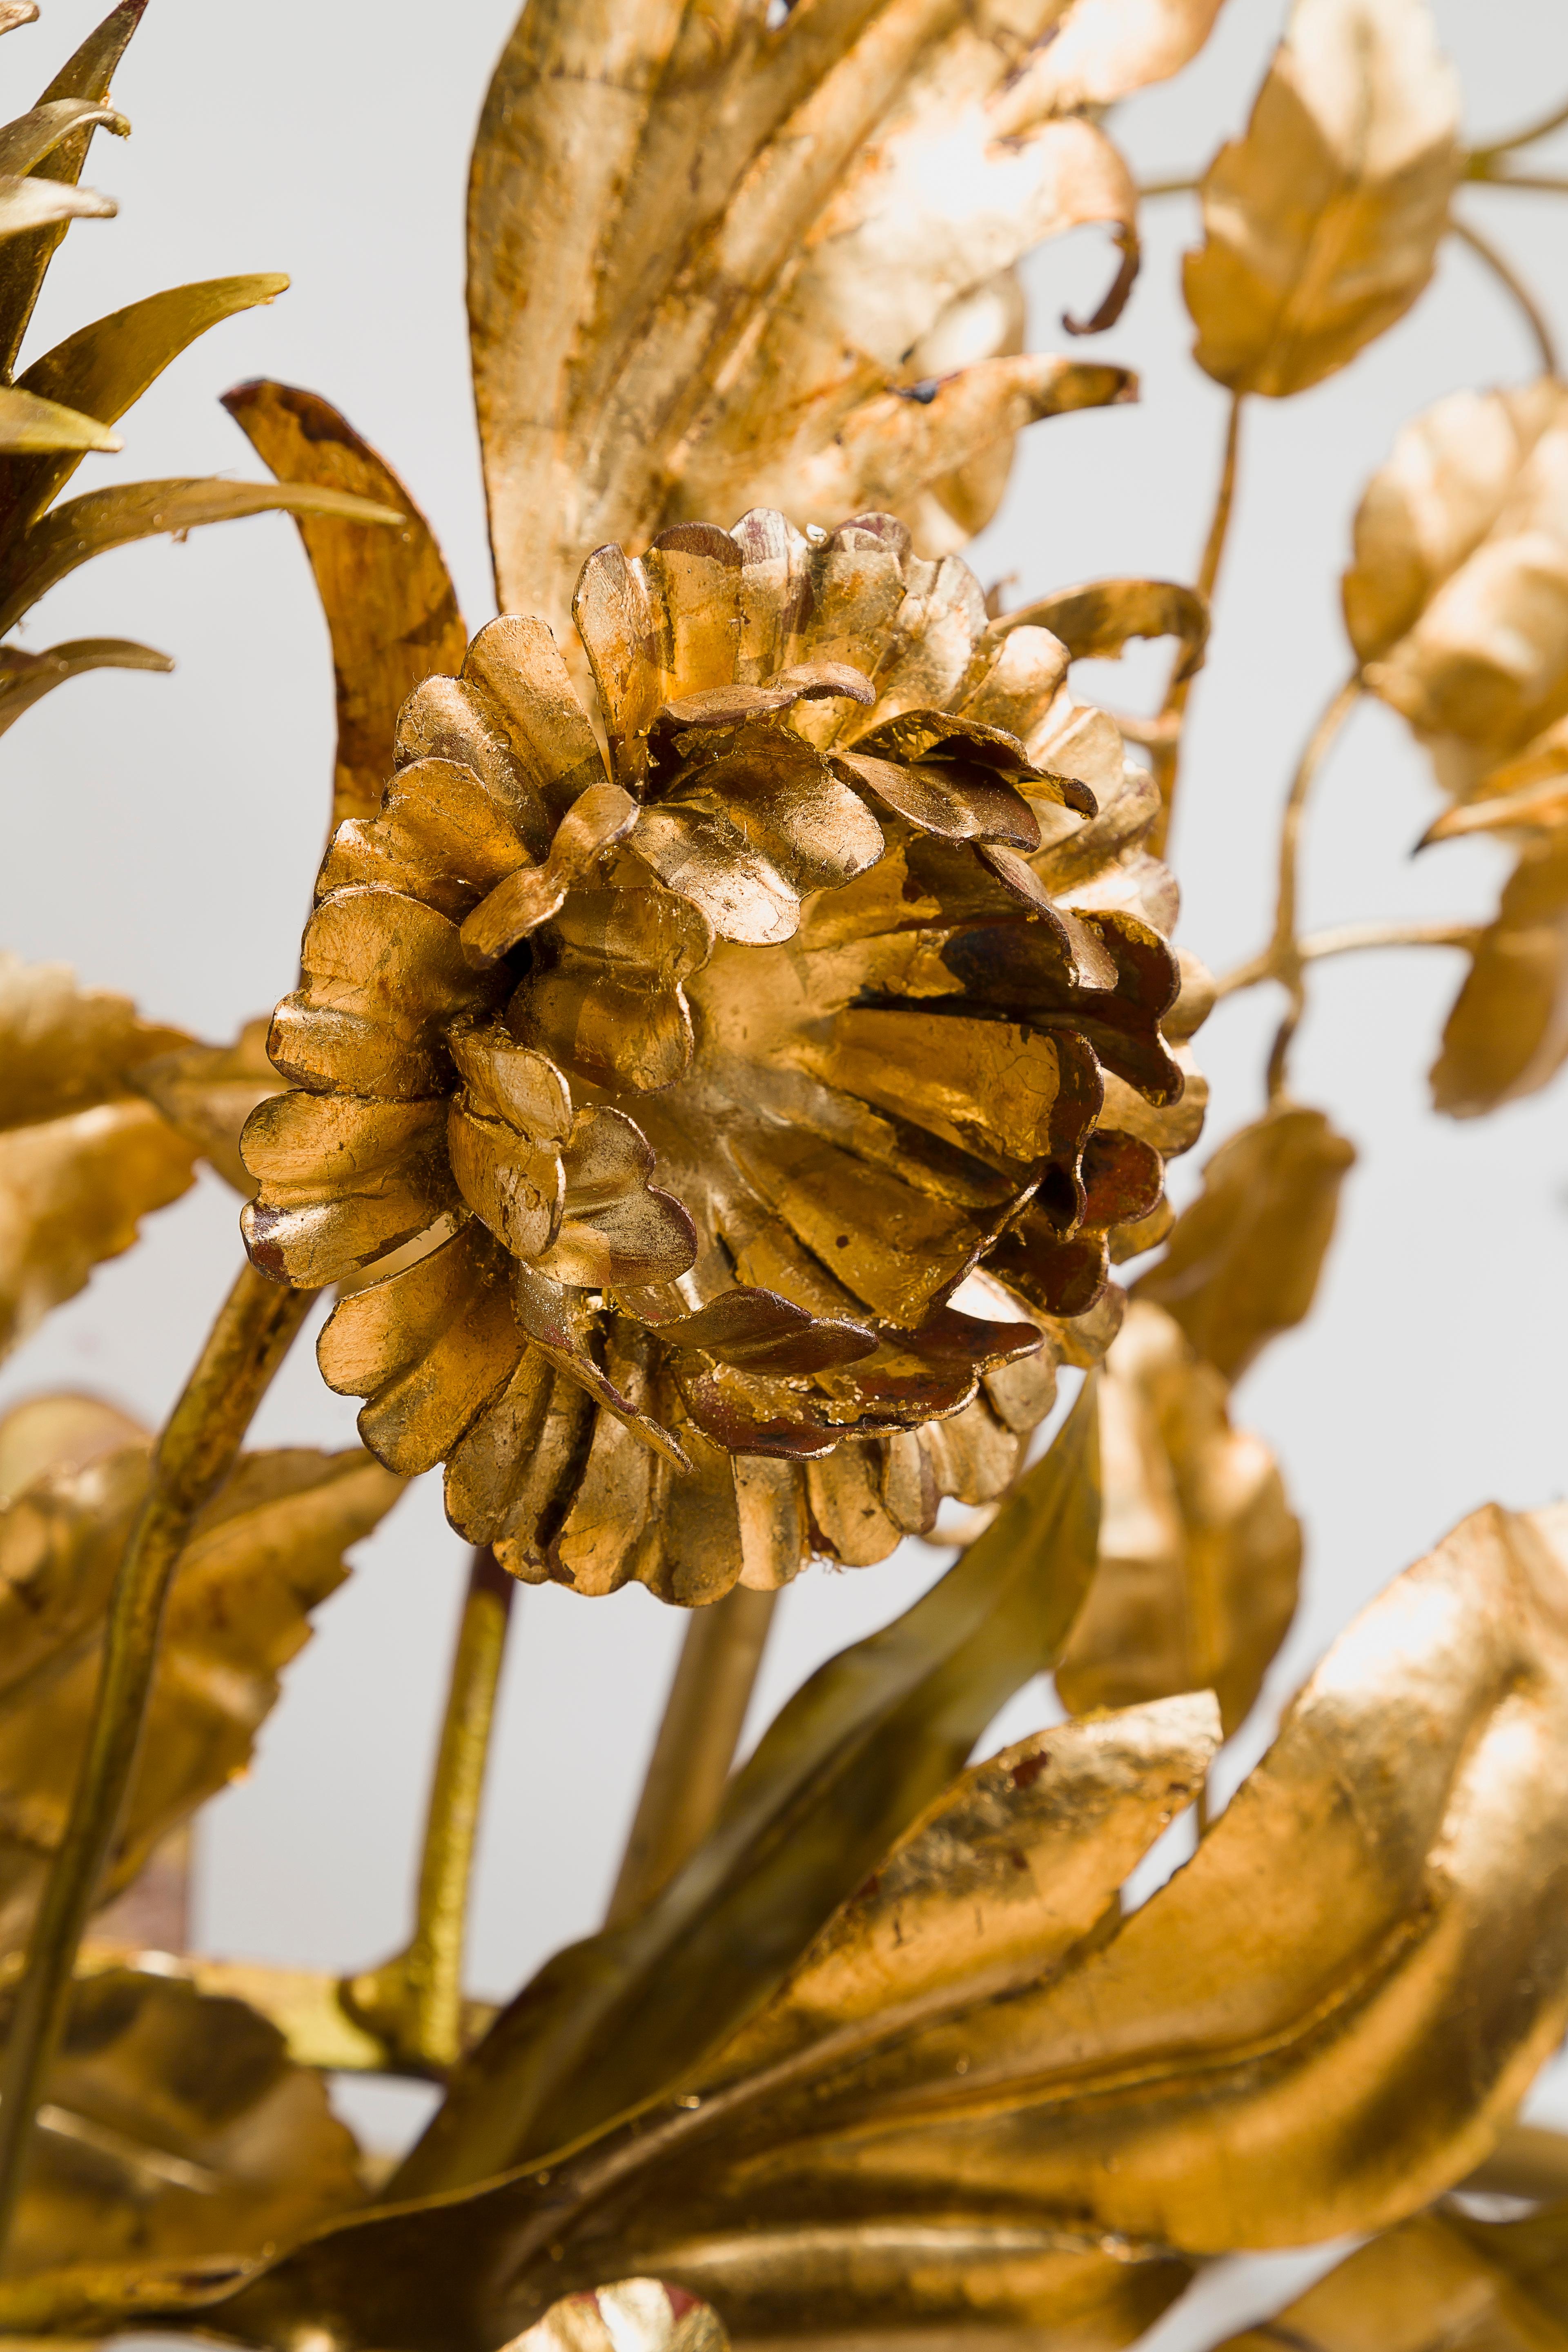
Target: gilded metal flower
x: 752, y: 1114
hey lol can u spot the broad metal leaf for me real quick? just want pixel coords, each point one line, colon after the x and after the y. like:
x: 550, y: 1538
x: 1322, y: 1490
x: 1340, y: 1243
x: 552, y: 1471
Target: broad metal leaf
x: 1200, y: 1552
x: 173, y: 2125
x: 82, y: 1158
x: 207, y: 1092
x: 390, y: 604
x: 1320, y: 2023
x: 1322, y: 222
x: 860, y: 1750
x: 758, y: 260
x: 265, y: 1553
x: 1243, y: 1260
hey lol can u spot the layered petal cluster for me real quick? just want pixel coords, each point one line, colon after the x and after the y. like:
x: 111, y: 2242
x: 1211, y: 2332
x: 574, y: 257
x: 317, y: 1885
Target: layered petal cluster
x: 741, y: 1112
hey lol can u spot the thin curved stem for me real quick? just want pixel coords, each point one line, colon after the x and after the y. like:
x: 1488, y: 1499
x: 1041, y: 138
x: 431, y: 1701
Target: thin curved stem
x: 1189, y: 187
x: 248, y: 1342
x: 1349, y: 938
x: 1503, y: 271
x: 1286, y: 963
x: 413, y: 2002
x: 1167, y: 748
x: 1525, y: 137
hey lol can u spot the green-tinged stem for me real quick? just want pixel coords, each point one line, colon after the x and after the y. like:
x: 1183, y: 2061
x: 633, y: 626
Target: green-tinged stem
x: 1167, y: 752
x: 1525, y: 137
x: 1349, y: 938
x: 696, y: 1745
x: 413, y: 2002
x: 1504, y: 272
x: 1286, y: 963
x: 194, y: 1456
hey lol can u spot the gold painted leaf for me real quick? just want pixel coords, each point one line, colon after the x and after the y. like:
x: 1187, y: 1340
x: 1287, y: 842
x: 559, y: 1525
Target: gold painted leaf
x: 85, y: 75
x: 25, y: 678
x: 32, y: 204
x: 82, y: 1158
x: 85, y: 527
x: 1318, y: 2025
x: 870, y: 1739
x: 1457, y: 599
x: 173, y: 2125
x: 29, y: 423
x: 265, y: 1553
x: 1099, y: 620
x: 103, y: 369
x: 390, y: 604
x: 1199, y: 1550
x: 1439, y: 2282
x: 1243, y: 1260
x: 1322, y: 224
x: 207, y: 1092
x: 1508, y: 1033
x: 744, y: 250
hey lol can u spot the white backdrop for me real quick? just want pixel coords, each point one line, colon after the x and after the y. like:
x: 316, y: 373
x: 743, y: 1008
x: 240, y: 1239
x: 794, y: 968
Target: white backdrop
x: 161, y: 835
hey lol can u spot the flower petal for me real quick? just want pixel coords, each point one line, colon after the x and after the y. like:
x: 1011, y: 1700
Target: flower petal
x: 343, y: 1180
x: 701, y: 857
x: 444, y: 719
x: 517, y: 665
x: 516, y: 1186
x: 439, y: 836
x: 430, y: 1347
x: 384, y: 976
x: 600, y: 816
x: 616, y: 1226
x: 561, y: 1325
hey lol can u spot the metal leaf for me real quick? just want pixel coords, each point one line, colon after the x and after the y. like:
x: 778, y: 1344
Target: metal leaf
x: 869, y: 1740
x: 1440, y: 2282
x: 103, y: 369
x: 390, y: 607
x: 25, y: 678
x: 1322, y: 224
x: 1099, y: 620
x: 1199, y: 1550
x: 85, y: 527
x: 39, y: 203
x: 28, y: 422
x: 265, y: 1553
x: 740, y: 245
x: 207, y: 1092
x: 82, y: 1158
x: 174, y: 2125
x: 1243, y: 1261
x: 86, y: 75
x: 1508, y: 1033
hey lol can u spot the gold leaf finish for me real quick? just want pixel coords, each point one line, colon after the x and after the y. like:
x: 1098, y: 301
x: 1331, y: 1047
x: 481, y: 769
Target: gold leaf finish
x: 1243, y: 1260
x: 1322, y: 224
x: 1441, y: 2282
x: 390, y: 605
x: 633, y: 2315
x: 1458, y: 603
x: 82, y: 1157
x: 709, y: 1081
x: 1199, y: 1550
x: 773, y: 264
x: 207, y: 1092
x: 174, y: 2126
x: 72, y: 1476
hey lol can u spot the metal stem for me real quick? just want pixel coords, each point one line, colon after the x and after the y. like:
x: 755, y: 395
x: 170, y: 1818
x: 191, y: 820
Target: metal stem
x: 1506, y: 276
x: 413, y: 2002
x: 696, y: 1744
x: 1167, y: 752
x: 194, y: 1456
